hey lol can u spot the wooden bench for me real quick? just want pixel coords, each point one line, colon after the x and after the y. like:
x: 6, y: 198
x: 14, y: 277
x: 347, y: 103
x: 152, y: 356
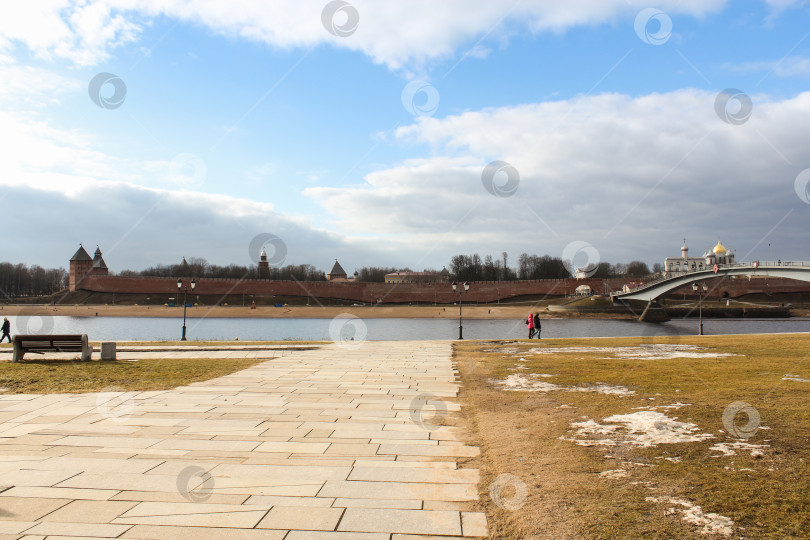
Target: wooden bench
x: 40, y: 344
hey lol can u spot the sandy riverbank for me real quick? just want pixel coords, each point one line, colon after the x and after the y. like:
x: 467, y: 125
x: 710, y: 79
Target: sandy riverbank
x: 300, y: 312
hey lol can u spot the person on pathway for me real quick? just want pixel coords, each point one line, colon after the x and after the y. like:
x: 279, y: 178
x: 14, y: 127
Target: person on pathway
x: 6, y: 330
x: 537, y: 325
x: 530, y: 324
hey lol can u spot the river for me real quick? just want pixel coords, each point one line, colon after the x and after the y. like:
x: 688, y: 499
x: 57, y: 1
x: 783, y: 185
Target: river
x: 348, y: 328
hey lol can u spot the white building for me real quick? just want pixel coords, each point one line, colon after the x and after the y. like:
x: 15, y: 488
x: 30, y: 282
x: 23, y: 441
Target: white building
x: 719, y: 255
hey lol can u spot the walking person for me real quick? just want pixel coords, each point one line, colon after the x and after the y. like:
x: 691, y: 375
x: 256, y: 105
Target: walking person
x: 6, y: 330
x: 537, y: 325
x: 530, y: 324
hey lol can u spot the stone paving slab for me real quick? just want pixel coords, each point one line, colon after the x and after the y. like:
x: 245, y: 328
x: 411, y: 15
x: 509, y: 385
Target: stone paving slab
x: 326, y: 442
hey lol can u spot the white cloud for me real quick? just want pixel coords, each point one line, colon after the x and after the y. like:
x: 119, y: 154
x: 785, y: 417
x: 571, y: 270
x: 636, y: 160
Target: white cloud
x: 793, y: 66
x: 82, y: 32
x: 391, y: 32
x: 138, y: 227
x: 630, y: 175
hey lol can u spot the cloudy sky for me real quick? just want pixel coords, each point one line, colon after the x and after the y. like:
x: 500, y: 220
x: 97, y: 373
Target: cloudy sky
x: 400, y: 133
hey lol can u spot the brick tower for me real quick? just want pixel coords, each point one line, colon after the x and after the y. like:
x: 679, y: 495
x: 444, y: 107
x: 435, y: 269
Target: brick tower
x: 80, y: 265
x: 264, y: 266
x: 99, y: 266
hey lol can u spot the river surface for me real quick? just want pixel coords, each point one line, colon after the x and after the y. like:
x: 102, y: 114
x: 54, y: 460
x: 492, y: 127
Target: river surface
x: 348, y: 328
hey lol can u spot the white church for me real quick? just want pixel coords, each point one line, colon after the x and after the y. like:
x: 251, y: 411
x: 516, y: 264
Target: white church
x: 674, y: 266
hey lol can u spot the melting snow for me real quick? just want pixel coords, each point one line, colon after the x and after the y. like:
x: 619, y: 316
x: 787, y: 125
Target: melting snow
x: 614, y: 474
x: 710, y: 523
x: 644, y: 352
x: 789, y: 377
x: 603, y: 388
x: 643, y: 429
x: 728, y: 449
x: 530, y: 383
x: 526, y: 382
x: 676, y: 405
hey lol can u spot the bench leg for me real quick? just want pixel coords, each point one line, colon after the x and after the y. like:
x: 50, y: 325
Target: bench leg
x: 87, y: 350
x: 18, y: 353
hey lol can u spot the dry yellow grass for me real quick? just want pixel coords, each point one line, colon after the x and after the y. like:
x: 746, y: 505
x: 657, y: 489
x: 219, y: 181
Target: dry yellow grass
x: 37, y: 376
x: 520, y: 434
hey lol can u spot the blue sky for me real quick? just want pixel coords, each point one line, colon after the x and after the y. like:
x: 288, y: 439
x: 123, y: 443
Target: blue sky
x: 248, y: 118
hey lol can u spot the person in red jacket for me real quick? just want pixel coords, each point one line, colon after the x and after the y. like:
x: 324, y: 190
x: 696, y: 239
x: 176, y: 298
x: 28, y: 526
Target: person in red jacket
x: 537, y: 325
x: 530, y: 324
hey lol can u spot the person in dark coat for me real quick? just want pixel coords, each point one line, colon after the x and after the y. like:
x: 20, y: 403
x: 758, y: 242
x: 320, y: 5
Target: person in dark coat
x: 6, y: 330
x: 537, y: 325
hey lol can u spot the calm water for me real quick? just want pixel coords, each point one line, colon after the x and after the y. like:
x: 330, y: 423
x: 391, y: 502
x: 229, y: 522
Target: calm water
x: 155, y: 328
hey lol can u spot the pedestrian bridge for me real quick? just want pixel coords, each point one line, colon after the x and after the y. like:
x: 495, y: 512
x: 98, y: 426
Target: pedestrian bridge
x: 657, y: 289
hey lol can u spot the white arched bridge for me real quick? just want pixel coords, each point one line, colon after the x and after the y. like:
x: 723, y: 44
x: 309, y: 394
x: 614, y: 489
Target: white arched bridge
x: 655, y: 290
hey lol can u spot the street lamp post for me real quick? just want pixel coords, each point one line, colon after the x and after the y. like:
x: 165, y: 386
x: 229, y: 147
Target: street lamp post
x: 185, y: 295
x: 465, y: 288
x: 701, y: 291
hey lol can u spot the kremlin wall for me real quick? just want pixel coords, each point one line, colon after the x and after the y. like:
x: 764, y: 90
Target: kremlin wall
x: 91, y: 275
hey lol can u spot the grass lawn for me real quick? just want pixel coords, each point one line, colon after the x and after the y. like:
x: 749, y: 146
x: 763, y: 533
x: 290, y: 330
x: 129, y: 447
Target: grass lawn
x: 654, y: 469
x: 37, y: 376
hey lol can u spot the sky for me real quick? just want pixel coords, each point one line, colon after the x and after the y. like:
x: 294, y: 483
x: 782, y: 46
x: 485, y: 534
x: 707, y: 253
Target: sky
x: 401, y: 133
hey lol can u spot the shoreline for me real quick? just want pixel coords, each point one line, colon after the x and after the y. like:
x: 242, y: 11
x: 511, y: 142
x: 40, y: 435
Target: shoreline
x: 473, y: 312
x: 292, y: 312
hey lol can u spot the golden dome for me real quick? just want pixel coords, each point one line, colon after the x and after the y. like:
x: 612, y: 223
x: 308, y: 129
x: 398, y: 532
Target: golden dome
x: 719, y: 249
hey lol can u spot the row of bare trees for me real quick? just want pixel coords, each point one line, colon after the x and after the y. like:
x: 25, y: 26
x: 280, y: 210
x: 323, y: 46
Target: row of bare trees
x: 473, y: 268
x: 200, y: 268
x: 18, y: 280
x: 21, y: 280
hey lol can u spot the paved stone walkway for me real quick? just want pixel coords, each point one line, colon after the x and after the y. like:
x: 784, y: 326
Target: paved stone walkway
x: 316, y: 444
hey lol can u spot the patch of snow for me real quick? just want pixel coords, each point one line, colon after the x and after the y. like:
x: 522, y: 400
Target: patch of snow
x: 677, y: 405
x: 728, y: 449
x: 603, y: 388
x: 614, y: 474
x: 710, y: 523
x: 530, y: 383
x: 676, y: 459
x: 643, y: 352
x: 525, y: 382
x: 789, y: 377
x: 643, y: 429
x: 504, y: 350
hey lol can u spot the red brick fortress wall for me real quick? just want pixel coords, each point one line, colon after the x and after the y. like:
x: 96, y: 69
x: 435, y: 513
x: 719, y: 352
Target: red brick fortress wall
x: 441, y: 293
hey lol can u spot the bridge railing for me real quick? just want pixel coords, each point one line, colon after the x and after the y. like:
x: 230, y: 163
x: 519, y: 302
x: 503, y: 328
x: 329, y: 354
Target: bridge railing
x: 760, y: 265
